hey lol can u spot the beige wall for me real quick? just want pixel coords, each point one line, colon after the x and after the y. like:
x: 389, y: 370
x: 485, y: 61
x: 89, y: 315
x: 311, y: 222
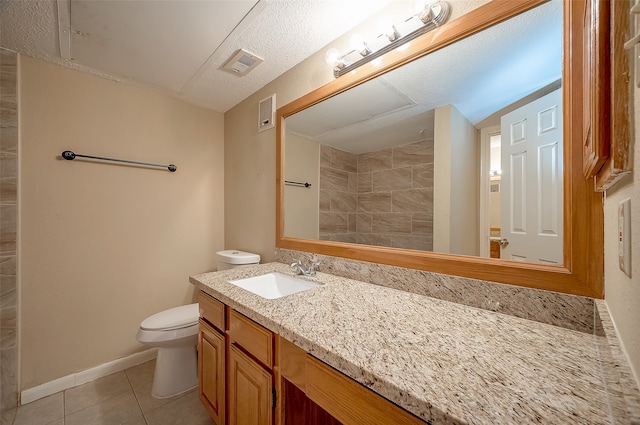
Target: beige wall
x: 301, y: 203
x: 338, y: 194
x: 104, y: 246
x: 622, y: 294
x: 455, y: 198
x: 250, y: 160
x: 465, y: 185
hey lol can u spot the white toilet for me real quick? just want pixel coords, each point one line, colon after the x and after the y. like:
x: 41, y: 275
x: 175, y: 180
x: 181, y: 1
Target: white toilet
x: 175, y: 333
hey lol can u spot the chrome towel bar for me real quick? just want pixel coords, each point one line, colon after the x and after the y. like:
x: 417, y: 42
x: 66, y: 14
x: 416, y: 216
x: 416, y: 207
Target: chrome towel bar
x: 70, y: 155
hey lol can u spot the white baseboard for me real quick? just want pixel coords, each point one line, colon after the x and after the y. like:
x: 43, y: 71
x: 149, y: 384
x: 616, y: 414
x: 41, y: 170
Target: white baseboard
x: 82, y: 377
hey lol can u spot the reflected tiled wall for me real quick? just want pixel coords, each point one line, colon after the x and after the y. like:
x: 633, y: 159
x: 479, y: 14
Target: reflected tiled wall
x: 380, y: 198
x: 395, y: 197
x: 8, y: 229
x: 338, y: 195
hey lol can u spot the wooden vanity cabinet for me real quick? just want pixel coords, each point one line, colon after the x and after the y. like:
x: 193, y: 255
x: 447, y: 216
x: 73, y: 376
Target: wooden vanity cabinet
x: 235, y: 366
x: 250, y: 389
x: 251, y: 376
x: 212, y: 357
x: 211, y: 367
x: 315, y: 393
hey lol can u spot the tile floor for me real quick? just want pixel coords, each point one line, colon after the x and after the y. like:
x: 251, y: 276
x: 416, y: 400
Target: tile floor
x: 123, y: 398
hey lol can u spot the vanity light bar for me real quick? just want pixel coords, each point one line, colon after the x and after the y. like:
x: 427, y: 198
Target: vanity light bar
x: 433, y: 16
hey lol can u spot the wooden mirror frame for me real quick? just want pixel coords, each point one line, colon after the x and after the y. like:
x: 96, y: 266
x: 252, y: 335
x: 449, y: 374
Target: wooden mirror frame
x: 583, y: 269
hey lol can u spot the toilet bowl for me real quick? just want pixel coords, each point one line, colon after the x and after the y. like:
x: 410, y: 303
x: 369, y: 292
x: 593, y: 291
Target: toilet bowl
x: 175, y: 333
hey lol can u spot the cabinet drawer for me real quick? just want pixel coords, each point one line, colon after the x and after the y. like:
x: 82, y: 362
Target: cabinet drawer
x: 249, y: 335
x: 211, y: 310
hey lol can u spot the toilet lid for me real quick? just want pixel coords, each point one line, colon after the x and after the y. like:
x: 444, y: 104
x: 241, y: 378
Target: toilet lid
x: 233, y: 256
x: 174, y: 318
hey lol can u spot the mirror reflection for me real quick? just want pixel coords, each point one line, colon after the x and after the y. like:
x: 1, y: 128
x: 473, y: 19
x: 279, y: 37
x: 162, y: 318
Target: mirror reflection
x: 457, y: 152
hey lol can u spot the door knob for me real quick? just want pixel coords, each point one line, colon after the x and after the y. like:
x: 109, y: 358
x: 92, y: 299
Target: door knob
x: 504, y: 242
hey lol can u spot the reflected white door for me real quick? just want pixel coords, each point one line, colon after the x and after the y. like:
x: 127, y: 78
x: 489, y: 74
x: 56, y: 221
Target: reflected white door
x: 532, y: 182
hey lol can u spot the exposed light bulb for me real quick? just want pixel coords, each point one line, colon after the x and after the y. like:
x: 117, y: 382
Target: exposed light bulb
x: 332, y: 57
x: 388, y: 29
x: 426, y: 15
x: 422, y: 9
x: 357, y: 43
x: 389, y: 37
x: 417, y: 6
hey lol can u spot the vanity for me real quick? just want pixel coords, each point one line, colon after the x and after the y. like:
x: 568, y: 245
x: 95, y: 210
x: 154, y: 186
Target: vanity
x: 347, y: 349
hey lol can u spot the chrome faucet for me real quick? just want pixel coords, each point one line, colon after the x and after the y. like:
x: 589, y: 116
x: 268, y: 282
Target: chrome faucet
x: 307, y: 270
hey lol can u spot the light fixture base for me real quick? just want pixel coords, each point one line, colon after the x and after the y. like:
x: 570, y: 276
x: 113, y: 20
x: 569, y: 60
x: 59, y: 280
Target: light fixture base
x: 439, y: 13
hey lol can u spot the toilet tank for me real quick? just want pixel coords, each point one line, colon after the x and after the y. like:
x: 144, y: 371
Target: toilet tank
x: 234, y: 259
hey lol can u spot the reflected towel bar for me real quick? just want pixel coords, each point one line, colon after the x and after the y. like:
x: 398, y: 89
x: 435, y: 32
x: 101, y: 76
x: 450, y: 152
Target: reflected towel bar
x: 69, y: 155
x: 290, y: 183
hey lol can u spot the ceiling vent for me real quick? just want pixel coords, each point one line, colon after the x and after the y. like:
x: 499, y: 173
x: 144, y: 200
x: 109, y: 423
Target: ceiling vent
x: 242, y: 62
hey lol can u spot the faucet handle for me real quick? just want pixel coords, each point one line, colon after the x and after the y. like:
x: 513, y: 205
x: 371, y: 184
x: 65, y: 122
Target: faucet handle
x: 296, y: 266
x: 314, y: 264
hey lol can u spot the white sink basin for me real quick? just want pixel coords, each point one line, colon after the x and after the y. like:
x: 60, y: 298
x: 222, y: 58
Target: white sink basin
x: 274, y: 285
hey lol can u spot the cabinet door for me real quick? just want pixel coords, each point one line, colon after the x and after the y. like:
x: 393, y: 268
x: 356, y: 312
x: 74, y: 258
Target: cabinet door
x: 250, y: 389
x: 211, y: 369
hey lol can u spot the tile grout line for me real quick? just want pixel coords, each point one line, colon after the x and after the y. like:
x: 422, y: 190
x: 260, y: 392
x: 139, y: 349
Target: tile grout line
x: 144, y: 417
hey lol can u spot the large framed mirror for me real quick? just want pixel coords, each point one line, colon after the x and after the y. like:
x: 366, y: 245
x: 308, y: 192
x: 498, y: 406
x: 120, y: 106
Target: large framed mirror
x: 461, y: 154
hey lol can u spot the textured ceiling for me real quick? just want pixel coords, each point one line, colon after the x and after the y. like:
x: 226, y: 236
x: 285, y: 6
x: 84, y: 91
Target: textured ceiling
x: 180, y: 46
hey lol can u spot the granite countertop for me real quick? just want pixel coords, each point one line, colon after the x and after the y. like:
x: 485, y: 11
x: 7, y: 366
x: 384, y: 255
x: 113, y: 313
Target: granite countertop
x: 442, y: 361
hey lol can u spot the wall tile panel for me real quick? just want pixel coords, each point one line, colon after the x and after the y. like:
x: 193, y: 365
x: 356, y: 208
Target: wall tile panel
x: 412, y: 200
x: 392, y: 179
x: 374, y: 202
x: 8, y: 230
x: 413, y: 154
x: 375, y: 161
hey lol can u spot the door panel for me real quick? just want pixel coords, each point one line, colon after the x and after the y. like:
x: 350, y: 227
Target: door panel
x: 518, y: 190
x: 532, y: 183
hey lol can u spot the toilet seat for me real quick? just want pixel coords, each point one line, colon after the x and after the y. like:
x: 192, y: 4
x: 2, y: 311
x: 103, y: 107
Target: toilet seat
x: 174, y: 318
x: 167, y: 337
